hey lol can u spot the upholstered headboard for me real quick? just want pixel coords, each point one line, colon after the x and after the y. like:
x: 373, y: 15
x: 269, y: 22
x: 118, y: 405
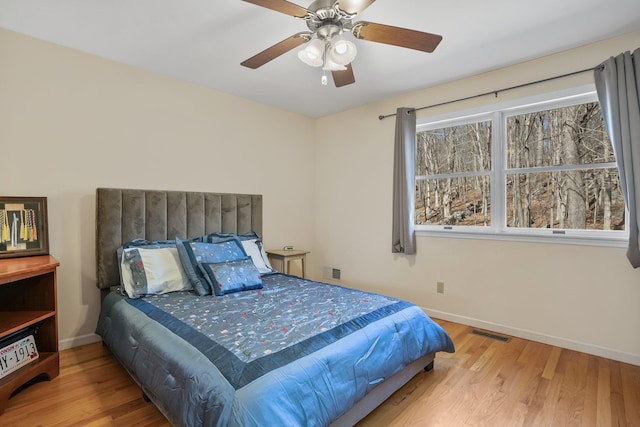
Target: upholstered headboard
x: 123, y: 215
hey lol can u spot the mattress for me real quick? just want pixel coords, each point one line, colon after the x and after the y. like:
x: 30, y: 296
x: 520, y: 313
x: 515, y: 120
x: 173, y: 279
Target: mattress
x: 296, y: 352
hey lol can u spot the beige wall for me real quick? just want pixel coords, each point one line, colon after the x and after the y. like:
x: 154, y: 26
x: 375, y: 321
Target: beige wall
x: 581, y: 297
x: 71, y: 122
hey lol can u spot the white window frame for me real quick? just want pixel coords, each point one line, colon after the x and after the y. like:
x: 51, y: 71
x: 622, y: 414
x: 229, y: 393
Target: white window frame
x: 498, y: 229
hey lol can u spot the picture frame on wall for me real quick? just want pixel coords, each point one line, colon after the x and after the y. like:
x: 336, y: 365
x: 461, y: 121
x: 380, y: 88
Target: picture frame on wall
x: 23, y: 227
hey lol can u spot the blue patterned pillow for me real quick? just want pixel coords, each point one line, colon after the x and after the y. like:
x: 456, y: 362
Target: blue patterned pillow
x: 232, y: 276
x: 194, y: 253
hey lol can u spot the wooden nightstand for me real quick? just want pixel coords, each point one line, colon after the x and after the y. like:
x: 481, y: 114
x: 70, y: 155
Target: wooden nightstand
x: 284, y: 257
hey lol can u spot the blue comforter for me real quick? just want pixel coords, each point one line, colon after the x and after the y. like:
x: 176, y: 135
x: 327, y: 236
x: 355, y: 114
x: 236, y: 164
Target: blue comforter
x: 296, y: 352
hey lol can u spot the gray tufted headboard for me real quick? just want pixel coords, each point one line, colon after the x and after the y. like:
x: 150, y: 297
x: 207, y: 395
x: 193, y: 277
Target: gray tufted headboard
x: 123, y: 215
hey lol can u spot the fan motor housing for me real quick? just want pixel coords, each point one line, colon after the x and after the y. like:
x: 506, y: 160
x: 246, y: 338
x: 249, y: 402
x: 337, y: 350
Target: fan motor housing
x: 325, y: 15
x: 326, y: 31
x: 324, y: 9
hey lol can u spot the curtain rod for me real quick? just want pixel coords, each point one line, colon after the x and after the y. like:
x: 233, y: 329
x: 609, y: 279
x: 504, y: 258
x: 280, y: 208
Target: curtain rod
x: 500, y: 90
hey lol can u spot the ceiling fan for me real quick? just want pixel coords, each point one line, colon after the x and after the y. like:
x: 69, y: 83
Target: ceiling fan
x: 327, y: 20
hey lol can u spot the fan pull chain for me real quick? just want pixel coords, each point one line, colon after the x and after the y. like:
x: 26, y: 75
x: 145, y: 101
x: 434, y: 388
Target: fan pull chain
x: 324, y: 79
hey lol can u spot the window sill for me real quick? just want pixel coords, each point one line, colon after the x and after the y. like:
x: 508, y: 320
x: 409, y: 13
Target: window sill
x: 614, y: 242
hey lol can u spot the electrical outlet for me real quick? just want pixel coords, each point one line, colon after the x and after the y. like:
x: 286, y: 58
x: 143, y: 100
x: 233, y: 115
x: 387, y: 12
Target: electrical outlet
x: 440, y: 287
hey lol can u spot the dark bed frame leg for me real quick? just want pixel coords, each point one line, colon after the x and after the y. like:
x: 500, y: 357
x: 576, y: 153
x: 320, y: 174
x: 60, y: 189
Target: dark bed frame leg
x: 145, y: 397
x: 429, y: 367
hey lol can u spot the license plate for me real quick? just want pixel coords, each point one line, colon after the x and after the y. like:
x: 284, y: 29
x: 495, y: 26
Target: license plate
x: 17, y: 354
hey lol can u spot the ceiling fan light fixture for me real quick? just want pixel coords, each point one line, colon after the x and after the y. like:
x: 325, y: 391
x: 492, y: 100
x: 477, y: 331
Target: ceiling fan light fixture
x: 326, y: 21
x: 313, y: 54
x: 342, y: 51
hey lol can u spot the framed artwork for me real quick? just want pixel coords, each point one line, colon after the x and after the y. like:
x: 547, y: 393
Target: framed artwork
x: 23, y: 226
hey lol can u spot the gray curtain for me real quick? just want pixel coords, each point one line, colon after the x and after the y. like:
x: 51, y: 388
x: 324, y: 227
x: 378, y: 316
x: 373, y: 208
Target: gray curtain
x: 618, y: 86
x: 404, y: 187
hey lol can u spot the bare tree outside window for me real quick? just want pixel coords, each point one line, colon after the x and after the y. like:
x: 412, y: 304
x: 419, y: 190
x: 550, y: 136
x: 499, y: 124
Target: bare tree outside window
x: 578, y: 188
x: 462, y: 156
x: 559, y: 171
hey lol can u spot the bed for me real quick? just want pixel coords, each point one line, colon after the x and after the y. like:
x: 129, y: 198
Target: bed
x: 287, y: 351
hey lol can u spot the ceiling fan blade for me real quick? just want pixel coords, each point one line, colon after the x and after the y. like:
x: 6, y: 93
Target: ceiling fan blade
x: 282, y: 6
x: 354, y: 6
x: 343, y: 77
x: 276, y: 50
x: 396, y: 36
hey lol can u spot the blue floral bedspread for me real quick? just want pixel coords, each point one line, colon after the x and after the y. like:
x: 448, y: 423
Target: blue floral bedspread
x: 295, y: 352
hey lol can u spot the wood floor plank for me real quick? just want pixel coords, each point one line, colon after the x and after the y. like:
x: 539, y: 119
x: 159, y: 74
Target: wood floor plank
x: 552, y: 363
x: 603, y: 394
x: 617, y: 405
x: 484, y: 383
x: 631, y: 392
x: 571, y: 399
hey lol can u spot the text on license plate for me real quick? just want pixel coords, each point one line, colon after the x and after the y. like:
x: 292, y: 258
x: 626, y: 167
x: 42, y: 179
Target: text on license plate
x: 17, y: 354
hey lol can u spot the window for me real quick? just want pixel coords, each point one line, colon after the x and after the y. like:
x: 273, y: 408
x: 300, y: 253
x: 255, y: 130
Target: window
x: 540, y: 170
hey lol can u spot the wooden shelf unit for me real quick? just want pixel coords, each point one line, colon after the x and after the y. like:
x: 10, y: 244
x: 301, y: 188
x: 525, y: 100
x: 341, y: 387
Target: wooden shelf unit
x: 28, y: 297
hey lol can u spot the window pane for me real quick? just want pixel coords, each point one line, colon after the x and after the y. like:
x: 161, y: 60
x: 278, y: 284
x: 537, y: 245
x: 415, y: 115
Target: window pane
x: 454, y: 201
x: 573, y: 135
x: 464, y: 148
x: 583, y: 199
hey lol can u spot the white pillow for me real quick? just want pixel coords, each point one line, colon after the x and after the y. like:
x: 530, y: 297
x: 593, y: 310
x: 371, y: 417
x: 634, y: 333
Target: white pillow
x: 253, y: 248
x: 152, y: 271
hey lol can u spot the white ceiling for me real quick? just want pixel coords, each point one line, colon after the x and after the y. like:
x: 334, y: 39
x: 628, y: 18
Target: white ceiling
x: 204, y: 41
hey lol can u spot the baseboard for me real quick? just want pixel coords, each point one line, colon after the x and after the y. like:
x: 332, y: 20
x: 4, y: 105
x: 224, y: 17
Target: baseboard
x: 633, y: 359
x: 78, y: 341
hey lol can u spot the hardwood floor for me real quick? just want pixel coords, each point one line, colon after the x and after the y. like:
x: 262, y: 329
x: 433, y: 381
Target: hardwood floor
x: 91, y: 390
x: 521, y: 383
x: 485, y: 383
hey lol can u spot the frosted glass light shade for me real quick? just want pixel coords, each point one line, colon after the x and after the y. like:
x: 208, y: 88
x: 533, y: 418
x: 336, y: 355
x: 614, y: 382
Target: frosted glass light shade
x: 329, y: 65
x: 342, y: 51
x: 313, y: 53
